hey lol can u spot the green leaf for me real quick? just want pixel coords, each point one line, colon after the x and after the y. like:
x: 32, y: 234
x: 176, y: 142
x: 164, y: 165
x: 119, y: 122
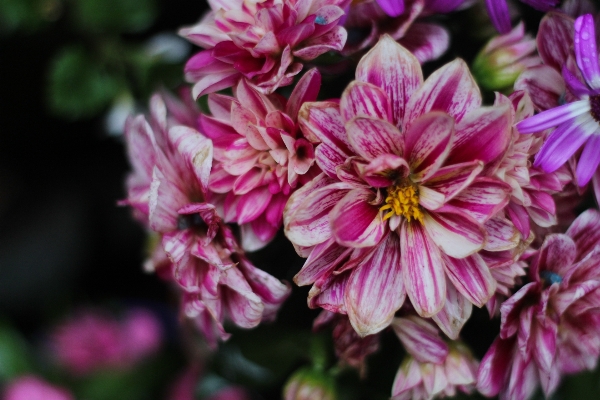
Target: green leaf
x: 115, y: 15
x: 23, y: 14
x: 80, y: 87
x: 14, y: 354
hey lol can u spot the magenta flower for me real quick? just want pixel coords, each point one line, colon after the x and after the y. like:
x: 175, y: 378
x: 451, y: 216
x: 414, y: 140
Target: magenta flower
x: 498, y: 11
x: 30, y: 387
x: 551, y: 325
x: 263, y: 41
x: 576, y: 122
x: 433, y: 367
x: 261, y: 155
x: 400, y: 207
x: 91, y: 340
x: 367, y: 21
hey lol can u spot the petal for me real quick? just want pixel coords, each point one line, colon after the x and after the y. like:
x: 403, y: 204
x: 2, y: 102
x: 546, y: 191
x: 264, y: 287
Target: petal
x: 495, y: 367
x: 426, y: 41
x: 483, y: 198
x: 544, y: 352
x: 421, y: 339
x: 355, y: 222
x: 554, y: 117
x: 555, y: 38
x: 557, y: 255
x: 585, y: 50
x: 455, y: 233
x: 588, y: 161
x: 375, y: 289
x: 451, y: 180
x: 498, y: 11
x: 324, y: 258
x: 544, y: 84
x: 471, y: 277
x: 362, y: 99
x: 585, y: 232
x: 322, y: 122
x: 252, y: 204
x: 451, y: 89
x: 196, y: 149
x: 394, y: 69
x: 428, y: 142
x: 371, y: 137
x: 392, y: 8
x: 422, y: 263
x: 457, y: 310
x: 501, y: 235
x: 306, y: 90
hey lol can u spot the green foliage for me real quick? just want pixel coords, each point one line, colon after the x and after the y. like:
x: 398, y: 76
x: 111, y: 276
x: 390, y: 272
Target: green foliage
x: 114, y: 15
x: 26, y: 14
x: 79, y: 86
x: 15, y: 359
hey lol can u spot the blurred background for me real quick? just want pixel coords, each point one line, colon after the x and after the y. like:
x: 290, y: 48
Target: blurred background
x: 71, y: 259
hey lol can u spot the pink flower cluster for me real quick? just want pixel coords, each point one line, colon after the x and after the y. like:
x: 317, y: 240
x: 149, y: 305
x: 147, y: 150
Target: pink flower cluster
x: 411, y: 200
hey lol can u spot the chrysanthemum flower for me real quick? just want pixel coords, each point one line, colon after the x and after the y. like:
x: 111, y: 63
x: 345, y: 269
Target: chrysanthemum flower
x: 433, y: 367
x: 551, y: 325
x: 261, y: 155
x: 263, y: 41
x: 498, y: 11
x: 400, y: 208
x: 577, y: 123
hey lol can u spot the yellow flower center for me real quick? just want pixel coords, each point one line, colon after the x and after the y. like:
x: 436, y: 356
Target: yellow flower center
x: 403, y: 199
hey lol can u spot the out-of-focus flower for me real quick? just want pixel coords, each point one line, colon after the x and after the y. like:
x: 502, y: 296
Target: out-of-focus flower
x: 367, y: 21
x: 576, y: 123
x: 400, y: 208
x: 575, y: 8
x: 309, y: 384
x: 217, y: 280
x: 92, y: 340
x: 433, y: 367
x: 503, y: 58
x: 498, y: 11
x: 31, y: 387
x: 263, y: 41
x: 551, y: 325
x: 261, y: 155
x: 184, y: 387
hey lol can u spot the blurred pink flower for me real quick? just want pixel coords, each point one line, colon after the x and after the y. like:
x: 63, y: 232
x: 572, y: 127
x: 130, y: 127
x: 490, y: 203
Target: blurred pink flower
x: 30, y: 387
x: 261, y: 155
x: 184, y: 387
x: 400, y: 208
x: 93, y: 340
x: 551, y: 326
x: 264, y: 41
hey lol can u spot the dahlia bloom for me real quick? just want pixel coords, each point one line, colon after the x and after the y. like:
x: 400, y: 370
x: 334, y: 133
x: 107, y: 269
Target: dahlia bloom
x: 263, y: 41
x: 503, y: 58
x: 216, y: 278
x: 92, y: 340
x: 261, y: 156
x: 498, y: 11
x: 30, y: 387
x: 577, y: 123
x: 368, y: 20
x: 433, y: 367
x: 400, y: 207
x: 551, y: 325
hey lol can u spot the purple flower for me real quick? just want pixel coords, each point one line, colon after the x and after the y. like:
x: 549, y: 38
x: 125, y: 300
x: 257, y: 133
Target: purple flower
x: 576, y: 123
x: 551, y: 325
x: 498, y: 11
x: 400, y: 208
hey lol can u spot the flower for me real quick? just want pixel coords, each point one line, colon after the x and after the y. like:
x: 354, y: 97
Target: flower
x: 399, y: 209
x: 577, y: 123
x: 30, y: 387
x: 263, y: 41
x: 92, y: 340
x: 550, y: 326
x: 433, y: 367
x: 261, y: 155
x: 503, y: 58
x: 498, y: 11
x: 308, y: 384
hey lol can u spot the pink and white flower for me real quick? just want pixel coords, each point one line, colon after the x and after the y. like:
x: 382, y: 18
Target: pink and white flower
x: 576, y: 123
x: 550, y: 326
x: 400, y: 207
x: 265, y: 41
x: 433, y: 367
x: 261, y: 156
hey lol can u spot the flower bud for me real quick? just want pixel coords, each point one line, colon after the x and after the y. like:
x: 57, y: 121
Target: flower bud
x: 503, y: 59
x: 307, y: 384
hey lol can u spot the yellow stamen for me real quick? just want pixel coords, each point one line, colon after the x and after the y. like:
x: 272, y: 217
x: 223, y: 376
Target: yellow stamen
x: 403, y: 200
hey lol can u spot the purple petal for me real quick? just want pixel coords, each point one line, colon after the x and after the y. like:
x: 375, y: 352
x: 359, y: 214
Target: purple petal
x: 471, y: 277
x: 553, y: 117
x: 555, y: 38
x: 544, y: 84
x: 362, y: 99
x: 373, y: 137
x: 589, y: 160
x: 423, y: 270
x: 498, y: 11
x: 394, y: 69
x: 427, y: 41
x: 355, y: 222
x: 585, y: 50
x: 375, y: 289
x: 393, y: 8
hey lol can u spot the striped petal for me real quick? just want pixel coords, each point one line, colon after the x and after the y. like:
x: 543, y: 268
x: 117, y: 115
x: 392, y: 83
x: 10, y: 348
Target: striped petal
x: 372, y: 137
x: 457, y: 310
x: 471, y: 277
x: 361, y: 99
x: 421, y: 339
x: 455, y: 233
x: 423, y: 270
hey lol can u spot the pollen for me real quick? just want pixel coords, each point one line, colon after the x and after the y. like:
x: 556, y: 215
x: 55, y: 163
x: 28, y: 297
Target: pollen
x: 595, y: 107
x: 403, y: 200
